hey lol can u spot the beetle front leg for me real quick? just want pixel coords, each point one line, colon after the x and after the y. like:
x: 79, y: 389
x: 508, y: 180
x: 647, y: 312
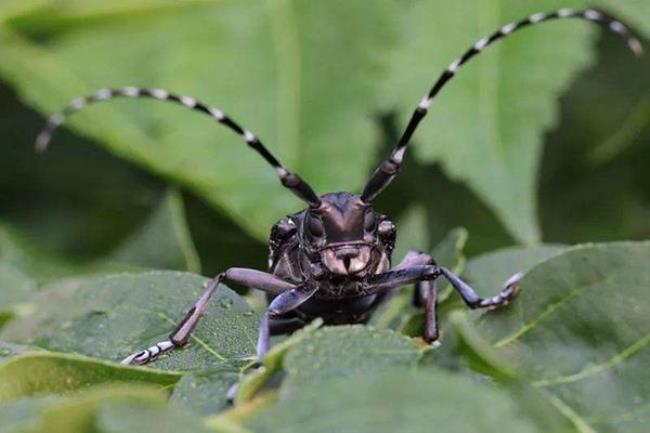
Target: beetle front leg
x: 282, y: 304
x: 251, y: 278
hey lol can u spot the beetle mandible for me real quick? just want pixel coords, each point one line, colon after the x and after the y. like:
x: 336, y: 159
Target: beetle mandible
x: 333, y: 259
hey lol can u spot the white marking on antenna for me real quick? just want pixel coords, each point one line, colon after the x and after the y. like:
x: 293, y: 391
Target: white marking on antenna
x: 216, y: 113
x: 425, y: 102
x: 398, y: 155
x: 102, y: 94
x: 130, y: 91
x: 564, y: 13
x: 481, y: 44
x: 56, y: 119
x: 188, y: 101
x: 635, y: 45
x: 617, y: 27
x: 508, y: 28
x: 536, y: 18
x: 249, y: 136
x: 78, y: 103
x: 454, y: 66
x: 160, y: 94
x: 593, y: 15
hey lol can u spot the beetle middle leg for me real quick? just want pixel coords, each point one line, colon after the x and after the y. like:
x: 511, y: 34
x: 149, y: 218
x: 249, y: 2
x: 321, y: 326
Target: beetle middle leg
x: 250, y: 278
x: 413, y: 270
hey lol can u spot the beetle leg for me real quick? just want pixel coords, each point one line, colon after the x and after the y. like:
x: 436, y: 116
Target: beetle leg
x: 405, y: 275
x: 414, y: 258
x: 246, y: 277
x: 282, y: 304
x: 424, y: 276
x: 509, y: 291
x: 430, y: 291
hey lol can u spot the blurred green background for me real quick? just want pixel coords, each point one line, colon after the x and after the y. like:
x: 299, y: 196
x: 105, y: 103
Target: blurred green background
x: 543, y: 138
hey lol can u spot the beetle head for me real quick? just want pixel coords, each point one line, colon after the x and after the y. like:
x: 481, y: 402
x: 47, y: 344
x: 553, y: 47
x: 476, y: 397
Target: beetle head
x: 343, y: 231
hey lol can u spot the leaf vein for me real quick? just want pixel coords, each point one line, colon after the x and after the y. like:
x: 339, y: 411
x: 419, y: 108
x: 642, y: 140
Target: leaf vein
x: 547, y: 312
x: 628, y: 352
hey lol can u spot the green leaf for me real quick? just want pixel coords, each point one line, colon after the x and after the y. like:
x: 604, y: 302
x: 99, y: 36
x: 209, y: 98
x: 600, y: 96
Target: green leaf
x: 106, y: 409
x: 163, y: 242
x: 272, y: 363
x: 464, y: 347
x: 272, y: 64
x: 115, y: 409
x: 204, y: 392
x: 391, y: 401
x: 487, y: 272
x: 487, y: 127
x: 580, y: 331
x: 9, y: 350
x: 23, y: 415
x: 111, y: 317
x: 128, y: 418
x: 347, y: 351
x: 15, y: 288
x: 32, y: 374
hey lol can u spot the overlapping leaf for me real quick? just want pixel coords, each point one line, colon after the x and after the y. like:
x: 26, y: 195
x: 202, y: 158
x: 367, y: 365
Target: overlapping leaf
x: 42, y: 373
x: 386, y: 401
x: 276, y: 65
x: 580, y: 332
x: 113, y: 316
x: 487, y: 127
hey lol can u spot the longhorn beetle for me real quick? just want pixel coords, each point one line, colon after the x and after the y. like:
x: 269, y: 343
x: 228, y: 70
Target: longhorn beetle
x: 333, y: 259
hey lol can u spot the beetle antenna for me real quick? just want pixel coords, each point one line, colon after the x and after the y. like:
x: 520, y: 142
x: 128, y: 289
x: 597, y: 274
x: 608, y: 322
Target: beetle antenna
x: 388, y: 169
x: 290, y: 180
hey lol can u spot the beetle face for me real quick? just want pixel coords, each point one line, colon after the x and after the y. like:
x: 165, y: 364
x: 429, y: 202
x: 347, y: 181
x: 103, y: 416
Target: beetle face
x: 343, y: 231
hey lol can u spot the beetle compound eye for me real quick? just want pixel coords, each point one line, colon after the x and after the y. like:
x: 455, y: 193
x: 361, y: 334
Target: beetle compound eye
x: 315, y: 227
x: 370, y: 221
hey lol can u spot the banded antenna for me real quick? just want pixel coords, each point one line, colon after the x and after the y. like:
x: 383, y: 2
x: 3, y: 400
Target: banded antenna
x: 290, y: 180
x: 388, y: 169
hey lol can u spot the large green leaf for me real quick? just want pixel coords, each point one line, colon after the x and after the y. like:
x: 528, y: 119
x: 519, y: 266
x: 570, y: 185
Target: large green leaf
x: 580, y: 331
x: 348, y: 351
x: 113, y: 409
x: 487, y: 127
x: 390, y: 401
x: 487, y: 272
x: 113, y: 316
x: 277, y: 65
x: 38, y: 373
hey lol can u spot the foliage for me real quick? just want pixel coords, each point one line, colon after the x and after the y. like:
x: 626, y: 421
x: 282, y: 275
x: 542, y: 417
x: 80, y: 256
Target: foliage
x: 103, y: 237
